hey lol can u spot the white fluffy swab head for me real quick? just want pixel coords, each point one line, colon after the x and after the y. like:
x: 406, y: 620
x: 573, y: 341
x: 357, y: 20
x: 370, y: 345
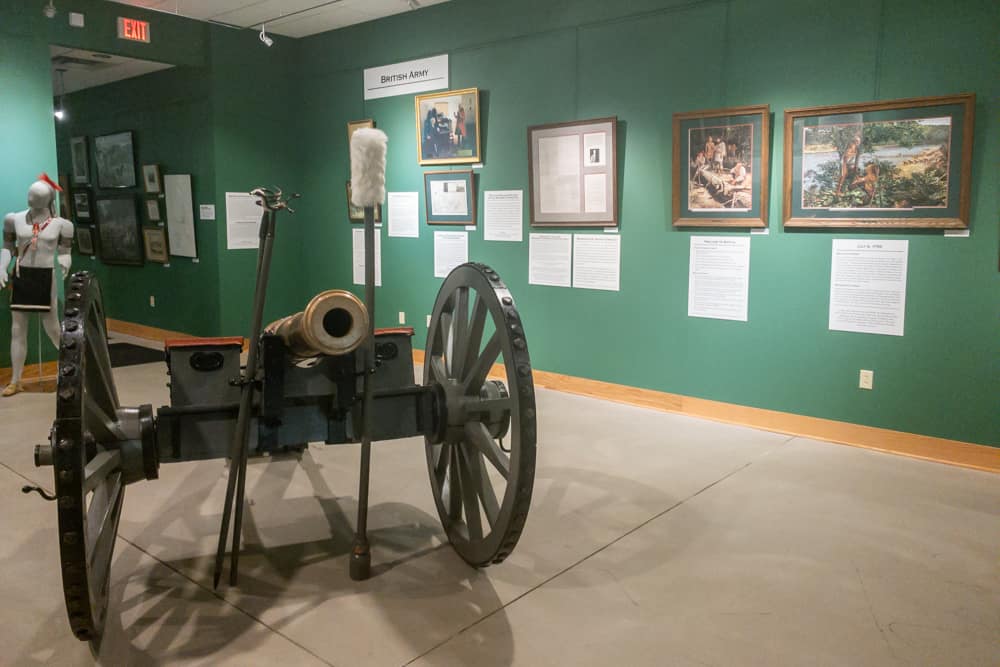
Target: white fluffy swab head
x: 368, y: 147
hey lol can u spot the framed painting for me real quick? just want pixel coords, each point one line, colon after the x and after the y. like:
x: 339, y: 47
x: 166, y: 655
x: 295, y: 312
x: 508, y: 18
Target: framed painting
x: 450, y: 197
x: 573, y: 173
x: 894, y: 164
x: 153, y: 210
x: 81, y: 160
x: 155, y: 244
x: 720, y: 167
x: 448, y: 127
x: 357, y: 213
x: 84, y: 239
x: 115, y: 159
x: 355, y: 125
x: 118, y: 236
x: 151, y: 180
x: 65, y: 210
x: 81, y: 205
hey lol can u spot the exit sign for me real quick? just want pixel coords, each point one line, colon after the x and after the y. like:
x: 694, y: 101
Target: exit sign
x: 133, y: 30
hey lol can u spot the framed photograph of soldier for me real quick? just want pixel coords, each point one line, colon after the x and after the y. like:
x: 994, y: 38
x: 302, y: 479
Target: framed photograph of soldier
x: 155, y: 244
x: 573, y: 173
x: 119, y: 240
x: 115, y: 159
x: 84, y: 239
x: 153, y: 210
x: 720, y: 167
x: 81, y: 205
x: 450, y: 197
x: 892, y: 164
x: 355, y: 125
x: 448, y: 127
x: 65, y: 210
x: 357, y: 213
x: 80, y: 158
x: 151, y: 181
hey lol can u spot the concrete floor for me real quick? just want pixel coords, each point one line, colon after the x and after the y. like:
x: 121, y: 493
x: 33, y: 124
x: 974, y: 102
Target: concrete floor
x: 653, y: 539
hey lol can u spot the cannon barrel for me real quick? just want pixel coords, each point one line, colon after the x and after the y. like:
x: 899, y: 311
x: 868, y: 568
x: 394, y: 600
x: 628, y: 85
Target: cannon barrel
x: 334, y: 322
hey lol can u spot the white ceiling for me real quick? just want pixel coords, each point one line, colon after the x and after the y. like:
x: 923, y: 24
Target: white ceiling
x: 86, y: 69
x: 293, y: 18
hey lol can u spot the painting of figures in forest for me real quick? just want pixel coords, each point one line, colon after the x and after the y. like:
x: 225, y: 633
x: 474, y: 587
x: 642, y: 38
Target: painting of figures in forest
x: 720, y: 174
x: 877, y: 165
x: 720, y: 167
x: 892, y: 164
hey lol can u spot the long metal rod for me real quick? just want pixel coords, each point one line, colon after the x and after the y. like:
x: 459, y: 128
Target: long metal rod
x: 361, y: 536
x: 236, y: 484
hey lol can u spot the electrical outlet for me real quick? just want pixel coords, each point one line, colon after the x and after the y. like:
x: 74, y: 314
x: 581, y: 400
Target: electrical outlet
x: 428, y: 321
x: 152, y: 301
x: 866, y: 379
x: 402, y: 317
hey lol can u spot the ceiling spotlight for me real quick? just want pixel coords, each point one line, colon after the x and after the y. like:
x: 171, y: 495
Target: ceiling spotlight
x: 60, y: 114
x: 264, y: 37
x: 50, y: 10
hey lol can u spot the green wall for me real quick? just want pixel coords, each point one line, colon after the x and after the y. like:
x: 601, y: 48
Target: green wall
x: 278, y: 116
x: 643, y: 61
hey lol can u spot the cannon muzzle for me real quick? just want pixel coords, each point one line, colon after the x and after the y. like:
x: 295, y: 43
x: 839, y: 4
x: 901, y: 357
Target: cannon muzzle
x: 334, y: 322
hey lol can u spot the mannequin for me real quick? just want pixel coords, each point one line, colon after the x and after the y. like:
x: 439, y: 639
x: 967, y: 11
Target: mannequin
x: 34, y: 237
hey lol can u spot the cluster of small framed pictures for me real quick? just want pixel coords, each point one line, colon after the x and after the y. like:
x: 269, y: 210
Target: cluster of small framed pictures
x: 109, y: 224
x: 891, y: 164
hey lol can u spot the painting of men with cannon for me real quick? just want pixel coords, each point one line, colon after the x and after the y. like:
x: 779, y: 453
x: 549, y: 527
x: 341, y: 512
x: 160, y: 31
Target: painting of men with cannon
x: 720, y: 162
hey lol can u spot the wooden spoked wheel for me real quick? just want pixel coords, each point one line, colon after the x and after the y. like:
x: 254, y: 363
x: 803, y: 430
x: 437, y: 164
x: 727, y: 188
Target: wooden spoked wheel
x: 97, y: 448
x: 481, y: 461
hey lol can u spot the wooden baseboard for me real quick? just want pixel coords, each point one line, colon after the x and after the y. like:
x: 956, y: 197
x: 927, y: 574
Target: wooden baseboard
x: 143, y: 331
x: 928, y: 448
x: 32, y: 375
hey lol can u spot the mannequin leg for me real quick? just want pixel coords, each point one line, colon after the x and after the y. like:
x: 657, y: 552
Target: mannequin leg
x: 18, y: 350
x: 50, y: 321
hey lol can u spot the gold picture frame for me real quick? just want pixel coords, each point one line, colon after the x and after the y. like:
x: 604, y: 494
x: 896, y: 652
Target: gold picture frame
x: 355, y: 125
x: 895, y: 164
x: 444, y: 123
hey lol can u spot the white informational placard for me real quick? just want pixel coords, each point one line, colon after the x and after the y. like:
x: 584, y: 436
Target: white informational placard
x: 404, y: 214
x: 413, y: 76
x: 868, y: 286
x: 450, y: 250
x: 550, y: 259
x: 597, y: 261
x: 180, y: 215
x: 503, y: 216
x: 206, y: 212
x: 242, y: 221
x: 358, y: 245
x: 719, y: 277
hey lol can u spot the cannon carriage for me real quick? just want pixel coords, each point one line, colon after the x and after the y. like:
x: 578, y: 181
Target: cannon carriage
x: 324, y: 374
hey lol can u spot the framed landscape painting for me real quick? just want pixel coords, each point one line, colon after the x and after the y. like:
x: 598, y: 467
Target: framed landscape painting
x: 720, y: 167
x: 448, y: 127
x: 118, y: 235
x: 895, y: 164
x: 80, y: 159
x: 115, y: 159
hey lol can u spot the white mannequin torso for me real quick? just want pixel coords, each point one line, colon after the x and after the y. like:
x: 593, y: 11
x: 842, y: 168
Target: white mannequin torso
x: 43, y: 254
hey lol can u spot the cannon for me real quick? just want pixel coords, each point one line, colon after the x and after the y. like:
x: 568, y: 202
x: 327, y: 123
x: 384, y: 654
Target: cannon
x: 324, y: 374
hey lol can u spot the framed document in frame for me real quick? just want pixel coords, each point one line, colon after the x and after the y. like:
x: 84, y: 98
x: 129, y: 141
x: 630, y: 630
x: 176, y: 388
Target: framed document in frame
x: 450, y: 197
x: 573, y: 175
